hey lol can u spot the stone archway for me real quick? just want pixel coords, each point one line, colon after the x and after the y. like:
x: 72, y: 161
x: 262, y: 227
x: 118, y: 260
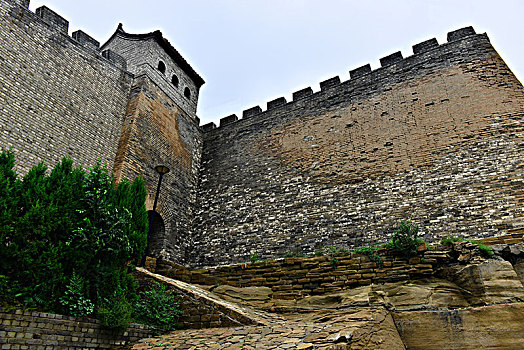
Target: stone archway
x: 157, y: 233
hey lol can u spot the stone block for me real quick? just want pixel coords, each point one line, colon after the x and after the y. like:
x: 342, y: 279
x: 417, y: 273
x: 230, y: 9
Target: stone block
x: 360, y: 71
x: 86, y: 40
x: 53, y: 19
x: 460, y: 33
x: 297, y: 95
x: 276, y: 103
x: 329, y: 83
x: 250, y: 112
x: 391, y: 59
x: 425, y: 46
x: 230, y: 119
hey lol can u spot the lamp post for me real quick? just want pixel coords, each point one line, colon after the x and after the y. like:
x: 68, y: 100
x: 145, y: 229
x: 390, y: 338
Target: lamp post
x: 161, y: 170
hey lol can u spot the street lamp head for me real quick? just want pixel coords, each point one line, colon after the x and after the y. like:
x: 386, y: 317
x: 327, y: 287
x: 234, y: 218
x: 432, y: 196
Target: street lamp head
x: 162, y: 169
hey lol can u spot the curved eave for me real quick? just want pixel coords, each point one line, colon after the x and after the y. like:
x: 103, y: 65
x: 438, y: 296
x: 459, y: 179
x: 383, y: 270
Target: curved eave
x: 164, y: 44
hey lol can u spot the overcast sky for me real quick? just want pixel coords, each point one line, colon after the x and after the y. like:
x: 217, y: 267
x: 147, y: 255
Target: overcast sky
x: 252, y: 51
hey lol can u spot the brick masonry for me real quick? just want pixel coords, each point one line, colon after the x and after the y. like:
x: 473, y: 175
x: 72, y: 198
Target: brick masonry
x: 294, y: 278
x: 436, y: 138
x: 298, y: 277
x: 40, y: 330
x: 58, y: 97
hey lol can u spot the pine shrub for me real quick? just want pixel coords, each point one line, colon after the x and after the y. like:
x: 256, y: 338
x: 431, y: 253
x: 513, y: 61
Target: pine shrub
x: 69, y: 236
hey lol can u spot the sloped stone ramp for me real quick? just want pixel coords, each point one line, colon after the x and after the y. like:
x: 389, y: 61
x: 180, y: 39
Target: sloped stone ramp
x: 370, y: 326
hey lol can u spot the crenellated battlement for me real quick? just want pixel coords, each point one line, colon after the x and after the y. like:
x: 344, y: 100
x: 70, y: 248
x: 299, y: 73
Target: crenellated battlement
x: 86, y: 40
x: 391, y: 64
x: 53, y: 19
x: 79, y: 37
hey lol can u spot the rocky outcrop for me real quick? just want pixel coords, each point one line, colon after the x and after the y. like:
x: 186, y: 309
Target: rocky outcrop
x: 487, y: 327
x: 489, y: 282
x: 465, y: 300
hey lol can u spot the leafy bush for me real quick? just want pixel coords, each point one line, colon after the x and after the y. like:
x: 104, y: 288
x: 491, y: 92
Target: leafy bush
x: 296, y: 253
x: 67, y: 236
x: 405, y: 240
x: 74, y: 301
x: 334, y: 262
x: 115, y: 311
x: 319, y: 251
x: 484, y: 249
x: 157, y: 307
x: 333, y: 250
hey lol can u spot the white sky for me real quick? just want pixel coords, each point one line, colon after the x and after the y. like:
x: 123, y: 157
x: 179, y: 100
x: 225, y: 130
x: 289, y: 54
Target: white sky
x: 252, y: 51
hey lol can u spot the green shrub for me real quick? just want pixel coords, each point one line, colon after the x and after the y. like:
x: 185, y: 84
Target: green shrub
x: 157, y: 307
x: 333, y: 250
x: 319, y: 251
x: 294, y: 254
x: 58, y: 225
x: 371, y: 253
x: 74, y: 299
x: 334, y: 262
x: 405, y: 240
x: 451, y: 239
x: 115, y: 311
x: 484, y: 249
x: 254, y: 258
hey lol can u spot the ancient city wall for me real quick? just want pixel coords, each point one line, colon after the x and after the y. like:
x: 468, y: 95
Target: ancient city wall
x: 60, y: 96
x: 435, y: 137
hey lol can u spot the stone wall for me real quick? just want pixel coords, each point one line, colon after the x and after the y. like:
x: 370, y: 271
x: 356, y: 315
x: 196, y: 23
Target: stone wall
x: 295, y: 277
x: 39, y: 330
x: 59, y: 96
x: 435, y: 137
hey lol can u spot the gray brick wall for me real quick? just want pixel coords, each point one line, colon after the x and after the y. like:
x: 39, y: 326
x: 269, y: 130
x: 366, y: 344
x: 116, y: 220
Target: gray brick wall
x: 435, y: 138
x: 41, y: 330
x: 144, y: 56
x: 58, y: 97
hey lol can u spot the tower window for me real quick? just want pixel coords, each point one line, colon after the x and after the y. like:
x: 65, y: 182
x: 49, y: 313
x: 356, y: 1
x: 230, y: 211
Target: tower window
x: 187, y: 93
x: 174, y: 80
x: 162, y: 67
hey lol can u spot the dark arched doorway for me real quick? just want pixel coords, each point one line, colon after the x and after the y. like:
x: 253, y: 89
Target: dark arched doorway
x: 156, y: 233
